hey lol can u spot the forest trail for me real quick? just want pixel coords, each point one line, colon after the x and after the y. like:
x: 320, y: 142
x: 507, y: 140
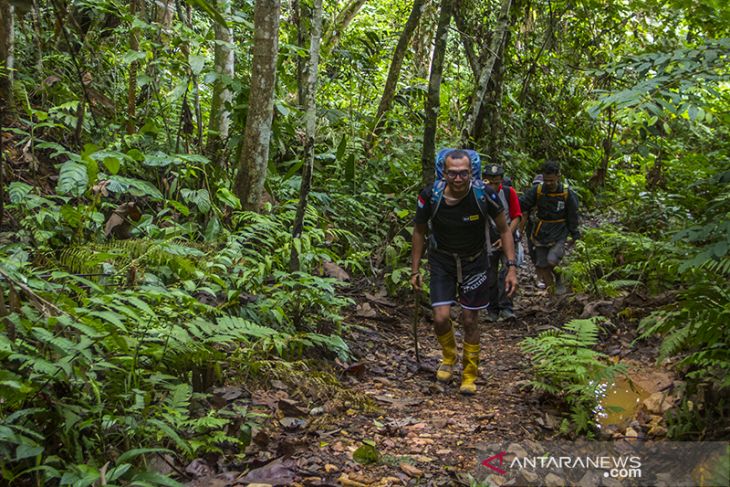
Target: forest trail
x: 414, y: 429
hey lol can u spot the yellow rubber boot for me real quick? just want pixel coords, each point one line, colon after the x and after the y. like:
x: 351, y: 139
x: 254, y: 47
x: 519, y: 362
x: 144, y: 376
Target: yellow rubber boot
x: 471, y: 369
x: 448, y: 348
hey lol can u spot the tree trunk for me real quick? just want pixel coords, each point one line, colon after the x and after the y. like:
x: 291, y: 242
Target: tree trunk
x: 134, y: 7
x: 598, y: 178
x: 310, y: 119
x: 493, y: 109
x: 395, y: 65
x: 298, y: 13
x: 433, y: 100
x: 220, y: 120
x: 340, y: 24
x: 485, y: 73
x: 466, y: 41
x: 165, y: 13
x: 255, y: 150
x: 7, y: 59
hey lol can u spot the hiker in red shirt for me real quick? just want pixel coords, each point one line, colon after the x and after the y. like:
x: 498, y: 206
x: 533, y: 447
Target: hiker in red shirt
x: 500, y: 303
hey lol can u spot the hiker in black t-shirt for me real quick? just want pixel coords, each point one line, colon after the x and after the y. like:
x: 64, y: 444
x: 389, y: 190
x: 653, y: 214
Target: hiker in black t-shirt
x: 557, y: 218
x: 458, y: 261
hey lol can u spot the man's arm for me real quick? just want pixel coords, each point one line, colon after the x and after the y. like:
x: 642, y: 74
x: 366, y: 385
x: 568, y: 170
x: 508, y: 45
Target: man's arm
x: 418, y: 244
x: 508, y: 247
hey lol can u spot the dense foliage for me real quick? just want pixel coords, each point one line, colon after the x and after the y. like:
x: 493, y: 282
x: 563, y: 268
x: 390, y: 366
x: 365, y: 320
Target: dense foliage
x: 132, y: 278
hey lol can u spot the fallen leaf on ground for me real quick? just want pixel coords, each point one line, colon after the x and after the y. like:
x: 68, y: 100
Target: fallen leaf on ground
x: 277, y: 472
x: 410, y: 470
x: 290, y: 408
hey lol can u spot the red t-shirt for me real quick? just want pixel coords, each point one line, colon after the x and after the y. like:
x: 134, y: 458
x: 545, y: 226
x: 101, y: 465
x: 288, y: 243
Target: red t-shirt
x: 514, y: 203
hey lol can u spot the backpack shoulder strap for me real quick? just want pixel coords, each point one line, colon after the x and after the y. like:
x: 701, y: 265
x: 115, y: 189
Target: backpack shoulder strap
x: 480, y: 195
x: 505, y: 201
x: 437, y: 194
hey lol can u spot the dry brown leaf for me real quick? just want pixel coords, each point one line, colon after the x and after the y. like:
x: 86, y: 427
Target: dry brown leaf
x: 410, y: 470
x: 345, y: 481
x: 331, y: 269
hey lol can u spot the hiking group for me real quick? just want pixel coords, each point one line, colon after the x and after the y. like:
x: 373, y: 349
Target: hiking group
x: 467, y: 223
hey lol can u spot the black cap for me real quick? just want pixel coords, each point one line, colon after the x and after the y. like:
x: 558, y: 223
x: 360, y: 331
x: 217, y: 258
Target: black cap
x: 493, y: 170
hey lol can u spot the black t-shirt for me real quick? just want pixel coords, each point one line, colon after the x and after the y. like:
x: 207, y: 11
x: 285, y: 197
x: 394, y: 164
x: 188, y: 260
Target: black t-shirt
x: 459, y: 228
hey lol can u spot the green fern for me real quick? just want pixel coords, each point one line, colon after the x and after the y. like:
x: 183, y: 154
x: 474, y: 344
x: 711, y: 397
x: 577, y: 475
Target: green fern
x: 565, y: 365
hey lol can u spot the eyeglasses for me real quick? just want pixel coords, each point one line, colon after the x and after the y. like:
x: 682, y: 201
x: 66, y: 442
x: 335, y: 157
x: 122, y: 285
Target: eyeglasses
x: 454, y: 174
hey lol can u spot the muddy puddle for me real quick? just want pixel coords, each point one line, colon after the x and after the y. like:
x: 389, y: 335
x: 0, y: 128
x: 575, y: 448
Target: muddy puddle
x: 620, y: 400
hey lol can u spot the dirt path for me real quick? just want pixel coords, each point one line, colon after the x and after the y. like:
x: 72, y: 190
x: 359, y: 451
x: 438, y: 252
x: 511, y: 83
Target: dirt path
x: 415, y: 430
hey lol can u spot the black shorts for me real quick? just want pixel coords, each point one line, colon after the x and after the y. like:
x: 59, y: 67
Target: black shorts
x: 549, y: 255
x: 473, y: 289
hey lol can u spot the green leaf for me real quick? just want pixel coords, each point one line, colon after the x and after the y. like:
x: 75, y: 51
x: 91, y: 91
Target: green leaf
x: 213, y: 229
x: 212, y: 12
x: 73, y: 179
x: 160, y: 159
x: 341, y: 148
x: 199, y: 197
x: 181, y: 208
x: 132, y: 56
x: 27, y: 451
x: 92, y: 169
x: 135, y: 187
x: 17, y: 191
x: 170, y: 433
x: 366, y: 454
x: 71, y: 215
x: 197, y: 63
x: 118, y: 471
x: 134, y: 453
x: 112, y: 164
x: 135, y: 154
x: 227, y: 198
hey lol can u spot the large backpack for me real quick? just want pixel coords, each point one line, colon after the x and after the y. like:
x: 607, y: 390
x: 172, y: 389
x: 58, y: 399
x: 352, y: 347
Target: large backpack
x: 537, y: 221
x: 477, y: 185
x: 563, y: 194
x: 439, y: 185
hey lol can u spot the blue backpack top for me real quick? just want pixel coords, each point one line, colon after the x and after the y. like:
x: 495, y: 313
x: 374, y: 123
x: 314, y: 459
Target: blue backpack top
x: 437, y: 191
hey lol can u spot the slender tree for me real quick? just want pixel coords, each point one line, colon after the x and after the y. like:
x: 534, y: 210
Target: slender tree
x: 297, y: 19
x: 339, y: 25
x: 220, y: 120
x: 310, y: 119
x: 485, y: 73
x: 466, y: 40
x: 135, y: 7
x: 433, y: 100
x: 251, y: 174
x: 396, y: 63
x: 7, y: 57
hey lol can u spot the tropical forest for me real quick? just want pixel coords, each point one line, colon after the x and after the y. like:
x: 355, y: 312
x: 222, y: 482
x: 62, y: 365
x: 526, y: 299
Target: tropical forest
x: 215, y: 271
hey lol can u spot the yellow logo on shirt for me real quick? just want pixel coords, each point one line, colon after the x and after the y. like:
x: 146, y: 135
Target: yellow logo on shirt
x: 474, y: 218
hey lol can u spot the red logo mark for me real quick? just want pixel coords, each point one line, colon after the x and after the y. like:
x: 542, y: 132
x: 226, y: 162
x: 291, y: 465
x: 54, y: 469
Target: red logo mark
x: 500, y: 456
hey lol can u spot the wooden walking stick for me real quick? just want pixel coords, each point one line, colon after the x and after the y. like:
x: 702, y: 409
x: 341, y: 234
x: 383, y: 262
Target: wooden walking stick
x: 416, y: 319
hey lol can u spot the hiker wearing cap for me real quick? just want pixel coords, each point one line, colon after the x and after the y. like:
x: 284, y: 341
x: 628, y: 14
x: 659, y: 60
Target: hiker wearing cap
x: 557, y: 218
x: 455, y: 210
x: 500, y: 304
